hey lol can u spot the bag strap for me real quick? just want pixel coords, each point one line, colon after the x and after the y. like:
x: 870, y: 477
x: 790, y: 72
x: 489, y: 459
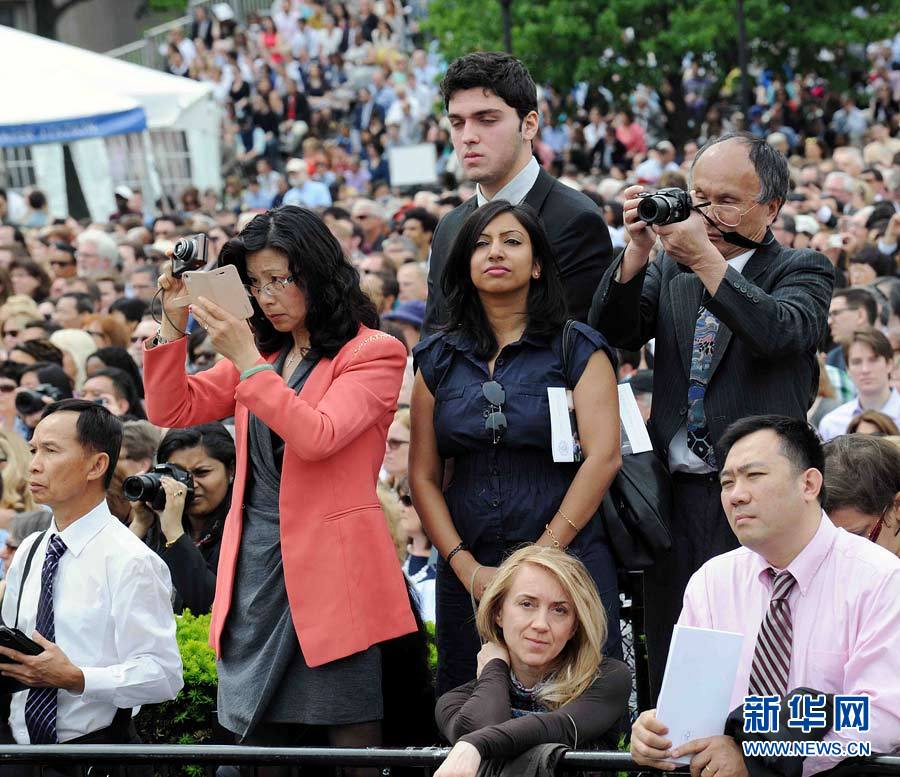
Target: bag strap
x: 31, y: 551
x: 566, y: 341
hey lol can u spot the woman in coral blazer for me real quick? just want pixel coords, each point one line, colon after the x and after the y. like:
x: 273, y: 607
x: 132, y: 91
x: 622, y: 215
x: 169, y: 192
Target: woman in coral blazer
x: 308, y: 581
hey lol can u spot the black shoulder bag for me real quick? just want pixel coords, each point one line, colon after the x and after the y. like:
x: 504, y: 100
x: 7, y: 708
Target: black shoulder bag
x: 635, y: 509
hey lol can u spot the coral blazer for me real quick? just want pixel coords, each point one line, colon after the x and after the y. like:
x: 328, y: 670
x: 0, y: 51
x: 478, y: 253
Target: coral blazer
x: 344, y: 584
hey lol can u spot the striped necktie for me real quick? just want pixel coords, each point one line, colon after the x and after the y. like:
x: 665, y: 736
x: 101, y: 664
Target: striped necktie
x: 40, y: 705
x: 772, y: 659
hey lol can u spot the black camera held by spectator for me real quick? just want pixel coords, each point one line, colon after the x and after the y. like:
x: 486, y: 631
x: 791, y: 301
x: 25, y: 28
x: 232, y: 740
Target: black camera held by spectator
x: 30, y: 401
x: 147, y: 488
x: 190, y: 253
x: 666, y: 206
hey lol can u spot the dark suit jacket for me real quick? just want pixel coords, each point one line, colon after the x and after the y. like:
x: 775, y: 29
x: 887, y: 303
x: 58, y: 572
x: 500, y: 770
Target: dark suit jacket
x: 577, y: 233
x: 772, y: 319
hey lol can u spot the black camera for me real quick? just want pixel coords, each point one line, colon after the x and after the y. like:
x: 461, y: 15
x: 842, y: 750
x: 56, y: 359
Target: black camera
x: 31, y: 401
x: 189, y: 253
x: 147, y: 488
x: 667, y: 206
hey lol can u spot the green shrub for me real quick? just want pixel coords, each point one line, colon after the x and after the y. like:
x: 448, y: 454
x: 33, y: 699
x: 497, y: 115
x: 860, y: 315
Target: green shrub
x: 432, y: 648
x: 190, y: 718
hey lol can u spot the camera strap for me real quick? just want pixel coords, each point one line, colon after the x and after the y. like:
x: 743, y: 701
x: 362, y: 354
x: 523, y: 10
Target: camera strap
x: 735, y: 238
x: 31, y: 551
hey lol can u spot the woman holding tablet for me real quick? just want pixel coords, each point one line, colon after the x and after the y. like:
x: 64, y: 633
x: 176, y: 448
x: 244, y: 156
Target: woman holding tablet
x: 308, y: 582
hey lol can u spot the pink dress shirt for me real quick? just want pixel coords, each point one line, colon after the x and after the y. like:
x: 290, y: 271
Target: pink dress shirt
x: 845, y: 610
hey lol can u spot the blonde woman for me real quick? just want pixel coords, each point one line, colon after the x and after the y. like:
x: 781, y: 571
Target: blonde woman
x: 14, y: 460
x: 76, y: 345
x: 542, y: 676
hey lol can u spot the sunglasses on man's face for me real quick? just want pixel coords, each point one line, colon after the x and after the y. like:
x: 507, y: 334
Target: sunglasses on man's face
x: 495, y: 422
x: 12, y: 333
x: 7, y: 388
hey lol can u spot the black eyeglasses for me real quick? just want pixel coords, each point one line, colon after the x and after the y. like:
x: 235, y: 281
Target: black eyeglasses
x: 495, y: 421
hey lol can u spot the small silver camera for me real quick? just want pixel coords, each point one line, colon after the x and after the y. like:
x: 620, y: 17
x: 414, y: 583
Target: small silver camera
x: 189, y: 253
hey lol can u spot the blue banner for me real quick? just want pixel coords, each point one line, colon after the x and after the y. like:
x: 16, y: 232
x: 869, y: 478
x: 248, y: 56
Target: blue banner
x: 68, y: 130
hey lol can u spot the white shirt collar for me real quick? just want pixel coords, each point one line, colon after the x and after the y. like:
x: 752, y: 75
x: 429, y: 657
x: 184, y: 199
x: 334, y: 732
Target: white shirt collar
x: 740, y: 261
x: 891, y: 407
x: 517, y: 188
x: 82, y: 530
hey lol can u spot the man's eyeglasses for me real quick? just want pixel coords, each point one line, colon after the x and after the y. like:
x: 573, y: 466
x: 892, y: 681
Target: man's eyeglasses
x: 272, y: 289
x: 836, y: 313
x: 726, y: 215
x: 495, y: 421
x: 393, y: 443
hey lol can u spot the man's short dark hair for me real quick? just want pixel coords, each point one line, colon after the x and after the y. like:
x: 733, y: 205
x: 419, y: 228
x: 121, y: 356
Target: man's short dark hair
x: 862, y: 472
x: 389, y: 285
x: 49, y: 327
x: 857, y: 298
x: 874, y: 172
x: 84, y: 303
x: 428, y: 220
x: 133, y: 309
x: 800, y: 444
x: 97, y: 430
x: 500, y: 73
x: 771, y: 165
x: 874, y: 339
x: 124, y: 388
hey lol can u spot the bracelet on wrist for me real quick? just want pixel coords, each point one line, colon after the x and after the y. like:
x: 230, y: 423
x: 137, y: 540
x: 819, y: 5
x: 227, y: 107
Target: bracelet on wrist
x: 256, y: 368
x: 462, y: 546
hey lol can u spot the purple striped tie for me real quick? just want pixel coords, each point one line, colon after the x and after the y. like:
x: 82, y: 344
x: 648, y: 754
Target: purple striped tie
x: 40, y: 705
x: 772, y: 659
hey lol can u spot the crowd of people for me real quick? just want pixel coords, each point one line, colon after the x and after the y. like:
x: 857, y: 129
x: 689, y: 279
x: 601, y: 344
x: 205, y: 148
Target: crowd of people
x: 376, y: 450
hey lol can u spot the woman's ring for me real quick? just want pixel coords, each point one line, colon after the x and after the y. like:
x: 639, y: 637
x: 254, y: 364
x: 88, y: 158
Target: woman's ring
x: 179, y: 493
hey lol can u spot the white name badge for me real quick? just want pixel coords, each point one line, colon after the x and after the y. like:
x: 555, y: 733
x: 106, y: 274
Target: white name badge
x: 566, y: 447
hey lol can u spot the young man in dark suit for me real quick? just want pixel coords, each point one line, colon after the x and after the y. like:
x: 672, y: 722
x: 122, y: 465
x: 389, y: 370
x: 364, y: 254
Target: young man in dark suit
x: 491, y: 101
x: 737, y: 319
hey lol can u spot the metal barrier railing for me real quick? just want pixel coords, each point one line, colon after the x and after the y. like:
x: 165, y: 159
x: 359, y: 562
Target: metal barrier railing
x: 424, y: 758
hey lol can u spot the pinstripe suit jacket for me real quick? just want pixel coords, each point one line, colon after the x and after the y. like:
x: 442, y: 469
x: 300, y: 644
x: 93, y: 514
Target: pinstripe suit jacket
x: 773, y: 317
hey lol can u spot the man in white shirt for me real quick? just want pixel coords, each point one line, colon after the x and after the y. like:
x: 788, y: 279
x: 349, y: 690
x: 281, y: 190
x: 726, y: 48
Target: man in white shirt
x: 869, y: 361
x: 100, y: 596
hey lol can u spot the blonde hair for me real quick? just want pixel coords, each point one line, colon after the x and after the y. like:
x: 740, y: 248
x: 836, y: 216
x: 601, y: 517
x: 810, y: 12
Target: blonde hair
x: 79, y: 345
x: 579, y: 662
x: 16, y: 494
x: 393, y: 514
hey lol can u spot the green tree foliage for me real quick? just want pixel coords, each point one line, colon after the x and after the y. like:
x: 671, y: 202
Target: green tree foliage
x: 621, y: 43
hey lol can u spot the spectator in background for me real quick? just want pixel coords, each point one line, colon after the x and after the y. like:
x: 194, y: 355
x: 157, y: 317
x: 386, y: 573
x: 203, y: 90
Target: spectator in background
x: 396, y: 452
x: 849, y: 311
x: 409, y: 316
x: 419, y: 226
x: 75, y: 345
x: 96, y: 254
x: 129, y: 311
x: 16, y: 496
x: 304, y: 191
x: 114, y: 357
x: 114, y: 389
x: 412, y: 279
x: 862, y: 488
x: 418, y: 565
x: 873, y: 422
x: 72, y: 308
x: 143, y: 282
x: 107, y: 331
x: 30, y: 279
x: 61, y: 259
x: 869, y: 361
x: 187, y: 533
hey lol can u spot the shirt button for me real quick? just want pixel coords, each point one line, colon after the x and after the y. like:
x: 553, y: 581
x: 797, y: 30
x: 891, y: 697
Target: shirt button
x: 495, y: 471
x: 500, y: 362
x: 486, y: 413
x: 683, y: 411
x: 495, y: 503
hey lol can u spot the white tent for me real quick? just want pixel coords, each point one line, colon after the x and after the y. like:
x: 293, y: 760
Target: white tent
x: 54, y: 93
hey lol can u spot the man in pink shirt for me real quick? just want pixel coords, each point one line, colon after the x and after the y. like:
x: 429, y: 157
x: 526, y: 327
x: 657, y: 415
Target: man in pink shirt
x: 840, y: 633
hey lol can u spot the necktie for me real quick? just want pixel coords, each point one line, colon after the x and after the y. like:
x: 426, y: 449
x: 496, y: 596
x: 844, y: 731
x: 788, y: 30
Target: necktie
x: 772, y: 659
x: 40, y: 706
x: 698, y: 438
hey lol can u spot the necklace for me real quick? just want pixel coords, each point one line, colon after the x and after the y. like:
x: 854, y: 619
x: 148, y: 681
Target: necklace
x: 294, y: 354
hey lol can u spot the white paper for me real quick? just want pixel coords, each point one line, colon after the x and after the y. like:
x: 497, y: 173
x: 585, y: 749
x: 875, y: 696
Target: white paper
x: 633, y: 427
x: 696, y: 688
x: 560, y: 425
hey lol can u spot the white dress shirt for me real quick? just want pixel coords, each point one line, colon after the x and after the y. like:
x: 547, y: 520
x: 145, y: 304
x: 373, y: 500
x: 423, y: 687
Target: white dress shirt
x: 682, y: 458
x: 517, y: 188
x: 835, y: 423
x: 112, y: 608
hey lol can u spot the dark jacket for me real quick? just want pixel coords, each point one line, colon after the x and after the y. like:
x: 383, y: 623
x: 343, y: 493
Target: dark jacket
x: 577, y: 233
x: 773, y: 317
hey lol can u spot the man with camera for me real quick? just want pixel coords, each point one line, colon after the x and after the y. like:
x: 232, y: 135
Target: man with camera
x: 736, y: 318
x: 86, y: 597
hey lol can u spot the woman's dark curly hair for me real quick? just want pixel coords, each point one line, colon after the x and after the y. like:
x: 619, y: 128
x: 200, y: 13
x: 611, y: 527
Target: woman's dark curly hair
x: 335, y: 304
x: 546, y: 305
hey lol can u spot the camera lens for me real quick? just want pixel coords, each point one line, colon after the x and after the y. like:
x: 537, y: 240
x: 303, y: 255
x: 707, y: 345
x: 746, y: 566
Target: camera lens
x: 654, y: 210
x: 184, y: 249
x: 28, y: 402
x: 140, y: 488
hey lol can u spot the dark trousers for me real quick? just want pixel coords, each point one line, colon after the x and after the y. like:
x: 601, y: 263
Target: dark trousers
x: 120, y: 732
x: 700, y: 531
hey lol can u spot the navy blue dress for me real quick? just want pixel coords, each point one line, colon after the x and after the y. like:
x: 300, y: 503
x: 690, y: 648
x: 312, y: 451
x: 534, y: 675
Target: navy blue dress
x: 502, y: 495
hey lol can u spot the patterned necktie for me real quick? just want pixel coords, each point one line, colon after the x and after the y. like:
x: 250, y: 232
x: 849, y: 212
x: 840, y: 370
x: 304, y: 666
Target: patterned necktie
x: 40, y: 706
x: 772, y: 659
x: 698, y: 438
